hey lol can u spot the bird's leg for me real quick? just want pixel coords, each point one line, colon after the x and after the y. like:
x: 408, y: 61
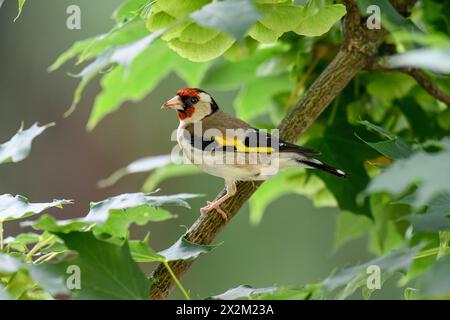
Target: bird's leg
x: 215, y: 205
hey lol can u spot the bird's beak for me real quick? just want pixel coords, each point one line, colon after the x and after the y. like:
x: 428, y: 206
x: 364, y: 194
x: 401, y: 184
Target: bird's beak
x: 175, y: 104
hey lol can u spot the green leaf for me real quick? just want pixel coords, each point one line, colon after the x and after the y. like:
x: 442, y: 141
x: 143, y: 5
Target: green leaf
x: 119, y: 35
x: 230, y: 75
x: 114, y: 215
x: 256, y: 96
x: 76, y: 49
x: 180, y: 9
x: 20, y: 4
x: 443, y: 119
x: 281, y: 18
x: 201, y: 52
x: 159, y: 21
x: 48, y: 276
x: 129, y: 10
x: 195, y: 33
x: 184, y: 249
x: 394, y: 147
x: 222, y: 16
x: 435, y: 283
x: 320, y: 20
x: 263, y: 34
x: 19, y: 146
x: 107, y: 270
x: 243, y: 292
x: 122, y: 55
x: 141, y: 251
x: 338, y: 145
x: 18, y: 207
x: 395, y: 260
x: 436, y: 217
x: 386, y: 87
x: 132, y: 83
x: 430, y: 171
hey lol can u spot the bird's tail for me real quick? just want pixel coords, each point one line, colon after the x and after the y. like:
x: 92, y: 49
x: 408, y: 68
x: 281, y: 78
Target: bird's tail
x: 313, y: 163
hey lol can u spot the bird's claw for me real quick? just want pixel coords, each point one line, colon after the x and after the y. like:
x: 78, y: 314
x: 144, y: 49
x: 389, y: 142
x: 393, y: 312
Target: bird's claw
x: 214, y: 206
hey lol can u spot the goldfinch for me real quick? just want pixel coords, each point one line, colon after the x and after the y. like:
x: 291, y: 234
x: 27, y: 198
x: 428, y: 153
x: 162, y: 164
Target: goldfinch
x: 225, y: 146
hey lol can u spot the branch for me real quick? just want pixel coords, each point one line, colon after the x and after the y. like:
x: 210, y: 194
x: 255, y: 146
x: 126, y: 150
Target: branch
x: 359, y: 48
x: 422, y: 79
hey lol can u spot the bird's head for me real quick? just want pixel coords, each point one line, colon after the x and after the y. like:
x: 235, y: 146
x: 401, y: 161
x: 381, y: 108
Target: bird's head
x: 191, y: 104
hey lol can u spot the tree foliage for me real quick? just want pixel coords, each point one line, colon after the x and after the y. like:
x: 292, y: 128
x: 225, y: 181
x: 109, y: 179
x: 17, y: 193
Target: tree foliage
x: 387, y: 128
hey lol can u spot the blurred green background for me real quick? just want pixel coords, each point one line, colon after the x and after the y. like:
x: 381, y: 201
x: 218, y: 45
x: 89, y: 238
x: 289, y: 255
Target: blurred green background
x: 292, y: 245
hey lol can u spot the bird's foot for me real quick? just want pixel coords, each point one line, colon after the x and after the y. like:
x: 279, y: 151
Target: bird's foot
x: 214, y: 206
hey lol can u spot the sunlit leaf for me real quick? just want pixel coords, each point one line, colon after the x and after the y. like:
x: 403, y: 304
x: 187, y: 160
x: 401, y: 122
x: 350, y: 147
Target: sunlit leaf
x: 19, y: 146
x: 281, y: 17
x: 201, y: 52
x: 129, y: 10
x: 18, y: 207
x: 319, y: 20
x: 20, y: 4
x: 180, y: 9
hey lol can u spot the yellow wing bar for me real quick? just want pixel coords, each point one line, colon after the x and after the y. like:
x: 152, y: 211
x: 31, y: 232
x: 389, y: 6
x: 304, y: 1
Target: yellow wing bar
x: 240, y: 146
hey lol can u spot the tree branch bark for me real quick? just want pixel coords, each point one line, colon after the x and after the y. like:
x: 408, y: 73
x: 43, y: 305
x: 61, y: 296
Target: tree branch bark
x: 358, y: 50
x: 422, y: 79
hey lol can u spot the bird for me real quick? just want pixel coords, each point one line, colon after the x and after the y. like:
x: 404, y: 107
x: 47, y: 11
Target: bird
x: 225, y: 146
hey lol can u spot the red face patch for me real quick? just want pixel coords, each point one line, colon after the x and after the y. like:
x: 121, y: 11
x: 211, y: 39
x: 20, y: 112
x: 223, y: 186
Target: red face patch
x: 188, y: 112
x: 189, y: 92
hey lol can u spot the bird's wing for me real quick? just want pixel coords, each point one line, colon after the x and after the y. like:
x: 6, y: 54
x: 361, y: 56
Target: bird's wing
x: 248, y: 141
x: 259, y: 138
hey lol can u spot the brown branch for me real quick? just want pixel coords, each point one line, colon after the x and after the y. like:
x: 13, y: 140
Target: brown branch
x: 359, y: 48
x: 422, y: 79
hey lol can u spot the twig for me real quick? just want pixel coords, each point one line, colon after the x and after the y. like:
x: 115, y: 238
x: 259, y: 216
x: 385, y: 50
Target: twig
x: 359, y: 47
x: 426, y: 83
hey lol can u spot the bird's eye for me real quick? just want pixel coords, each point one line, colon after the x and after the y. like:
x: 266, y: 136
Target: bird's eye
x: 194, y: 100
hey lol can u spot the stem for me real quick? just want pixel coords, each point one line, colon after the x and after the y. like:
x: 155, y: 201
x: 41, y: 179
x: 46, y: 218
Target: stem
x: 444, y: 239
x: 46, y: 257
x: 177, y: 282
x: 39, y: 246
x: 431, y: 252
